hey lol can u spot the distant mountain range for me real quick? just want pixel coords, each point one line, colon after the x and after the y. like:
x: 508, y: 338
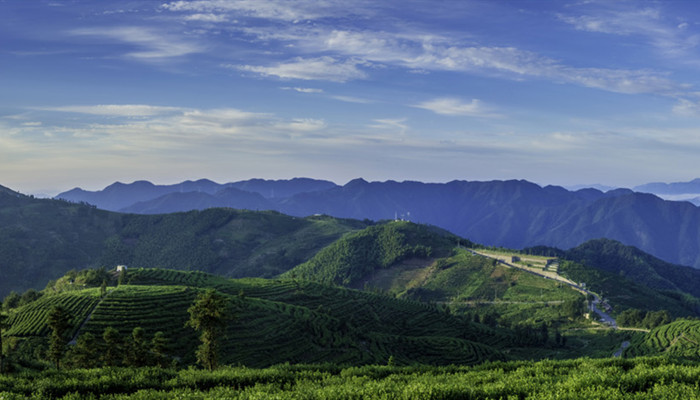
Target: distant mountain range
x: 514, y: 214
x: 120, y: 197
x: 675, y: 188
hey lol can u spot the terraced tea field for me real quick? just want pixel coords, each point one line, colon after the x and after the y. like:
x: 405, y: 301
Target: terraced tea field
x: 277, y: 321
x: 30, y: 320
x: 680, y: 339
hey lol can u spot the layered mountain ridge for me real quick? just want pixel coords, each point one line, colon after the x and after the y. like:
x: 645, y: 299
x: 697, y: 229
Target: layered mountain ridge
x: 513, y: 214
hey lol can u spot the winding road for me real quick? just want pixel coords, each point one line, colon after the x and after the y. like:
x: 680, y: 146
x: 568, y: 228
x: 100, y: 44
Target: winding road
x: 604, y: 317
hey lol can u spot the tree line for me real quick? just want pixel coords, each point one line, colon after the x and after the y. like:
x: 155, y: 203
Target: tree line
x: 209, y: 315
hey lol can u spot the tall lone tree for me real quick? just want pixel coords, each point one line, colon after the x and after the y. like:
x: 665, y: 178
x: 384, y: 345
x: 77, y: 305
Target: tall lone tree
x: 59, y: 323
x: 208, y: 315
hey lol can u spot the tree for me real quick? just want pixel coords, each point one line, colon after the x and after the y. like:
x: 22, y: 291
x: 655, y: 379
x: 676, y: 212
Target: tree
x: 103, y: 288
x: 159, y: 346
x: 113, y: 347
x: 3, y: 325
x: 122, y: 277
x: 208, y: 315
x: 137, y: 349
x: 11, y: 301
x: 85, y: 351
x: 59, y: 323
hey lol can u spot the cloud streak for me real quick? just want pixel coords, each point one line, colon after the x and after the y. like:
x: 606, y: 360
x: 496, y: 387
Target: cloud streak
x: 152, y: 44
x: 322, y: 68
x: 457, y: 107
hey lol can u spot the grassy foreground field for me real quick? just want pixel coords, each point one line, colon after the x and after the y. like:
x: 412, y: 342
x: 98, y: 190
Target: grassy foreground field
x: 642, y: 378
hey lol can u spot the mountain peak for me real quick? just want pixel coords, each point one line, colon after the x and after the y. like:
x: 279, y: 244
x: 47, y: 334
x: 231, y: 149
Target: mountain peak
x: 356, y: 182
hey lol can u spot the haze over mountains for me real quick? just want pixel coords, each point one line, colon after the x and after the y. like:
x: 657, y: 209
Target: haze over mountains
x: 514, y: 214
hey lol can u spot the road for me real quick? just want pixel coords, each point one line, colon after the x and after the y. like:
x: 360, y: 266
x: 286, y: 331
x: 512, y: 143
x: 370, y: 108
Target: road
x: 604, y: 317
x: 624, y: 345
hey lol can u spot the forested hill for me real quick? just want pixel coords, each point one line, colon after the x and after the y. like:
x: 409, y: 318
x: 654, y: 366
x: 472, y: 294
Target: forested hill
x: 351, y: 258
x: 513, y: 214
x: 41, y: 239
x: 629, y: 262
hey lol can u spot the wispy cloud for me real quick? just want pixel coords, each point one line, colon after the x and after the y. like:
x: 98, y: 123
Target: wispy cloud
x: 302, y: 89
x: 687, y: 108
x: 206, y: 17
x: 285, y: 10
x: 666, y: 34
x: 392, y: 124
x: 331, y: 50
x: 419, y: 52
x: 352, y: 99
x: 322, y: 68
x: 457, y: 107
x: 152, y: 44
x: 121, y: 110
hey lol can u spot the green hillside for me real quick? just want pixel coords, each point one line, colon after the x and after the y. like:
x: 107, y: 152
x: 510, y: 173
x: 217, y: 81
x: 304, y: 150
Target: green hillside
x: 276, y: 321
x: 410, y: 261
x: 636, y: 265
x: 42, y: 239
x: 623, y: 293
x: 680, y: 338
x: 349, y: 260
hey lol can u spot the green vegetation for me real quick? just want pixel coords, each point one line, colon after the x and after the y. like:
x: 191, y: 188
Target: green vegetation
x: 58, y: 321
x: 276, y: 321
x: 637, y: 266
x: 3, y: 327
x: 643, y: 319
x: 348, y: 260
x: 643, y: 378
x: 31, y: 319
x: 624, y: 294
x: 208, y: 316
x: 680, y: 338
x: 42, y: 239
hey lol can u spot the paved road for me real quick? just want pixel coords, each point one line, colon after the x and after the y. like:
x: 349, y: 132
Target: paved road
x: 606, y: 318
x: 624, y: 345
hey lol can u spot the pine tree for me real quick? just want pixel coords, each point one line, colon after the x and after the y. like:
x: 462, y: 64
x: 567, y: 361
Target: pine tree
x: 113, y: 347
x: 137, y: 350
x: 59, y: 323
x: 208, y: 315
x: 159, y: 346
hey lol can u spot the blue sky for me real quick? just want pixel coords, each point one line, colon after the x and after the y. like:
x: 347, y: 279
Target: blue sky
x: 555, y: 92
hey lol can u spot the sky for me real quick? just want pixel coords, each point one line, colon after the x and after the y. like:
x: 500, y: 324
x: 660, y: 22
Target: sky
x: 554, y: 92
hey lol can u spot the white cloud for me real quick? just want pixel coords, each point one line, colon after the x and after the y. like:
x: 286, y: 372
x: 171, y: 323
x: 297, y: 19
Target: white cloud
x: 285, y: 10
x: 666, y: 35
x: 392, y: 124
x: 686, y: 108
x: 352, y: 99
x: 418, y: 52
x: 457, y: 107
x: 321, y: 68
x: 303, y: 90
x: 121, y: 110
x: 206, y: 17
x: 618, y: 22
x: 302, y: 125
x: 153, y: 45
